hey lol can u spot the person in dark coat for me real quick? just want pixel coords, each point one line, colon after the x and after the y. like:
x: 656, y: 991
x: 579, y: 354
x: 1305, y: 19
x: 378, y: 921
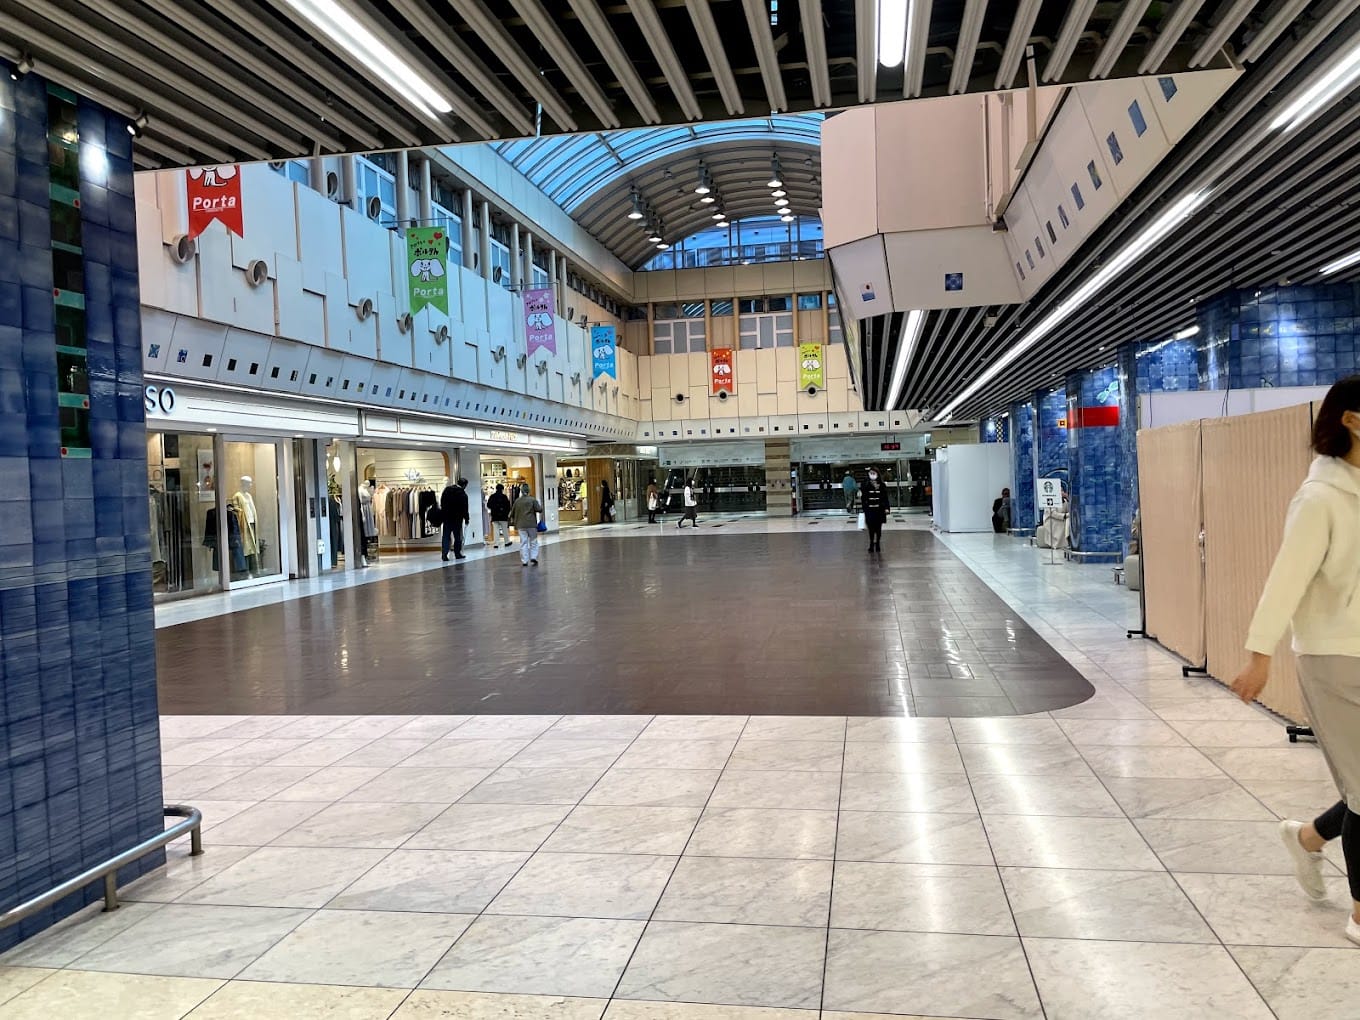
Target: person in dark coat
x: 498, y: 506
x: 1001, y: 512
x: 873, y: 498
x: 453, y: 504
x: 606, y: 503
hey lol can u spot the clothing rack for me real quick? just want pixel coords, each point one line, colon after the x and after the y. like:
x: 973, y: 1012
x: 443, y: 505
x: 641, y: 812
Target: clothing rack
x: 400, y: 505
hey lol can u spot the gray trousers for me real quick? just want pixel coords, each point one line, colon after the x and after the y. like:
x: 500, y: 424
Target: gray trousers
x: 1330, y: 685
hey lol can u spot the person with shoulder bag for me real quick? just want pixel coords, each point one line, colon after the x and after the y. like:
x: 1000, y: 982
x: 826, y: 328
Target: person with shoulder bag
x: 874, y: 505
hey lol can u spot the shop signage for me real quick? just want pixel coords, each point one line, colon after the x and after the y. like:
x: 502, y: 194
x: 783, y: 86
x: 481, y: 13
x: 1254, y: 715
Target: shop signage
x: 1048, y: 494
x: 159, y: 400
x: 811, y: 366
x: 214, y: 193
x: 427, y: 252
x: 722, y: 365
x: 603, y: 353
x: 501, y: 436
x: 541, y: 328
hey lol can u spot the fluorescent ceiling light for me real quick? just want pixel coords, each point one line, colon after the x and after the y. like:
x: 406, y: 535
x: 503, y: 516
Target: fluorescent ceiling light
x: 1129, y: 254
x: 377, y: 56
x: 1336, y: 80
x: 906, y: 347
x: 1186, y: 333
x: 1345, y: 262
x: 893, y: 17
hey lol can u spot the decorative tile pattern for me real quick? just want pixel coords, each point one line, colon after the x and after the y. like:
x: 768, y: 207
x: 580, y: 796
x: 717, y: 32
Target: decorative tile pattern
x: 79, y: 742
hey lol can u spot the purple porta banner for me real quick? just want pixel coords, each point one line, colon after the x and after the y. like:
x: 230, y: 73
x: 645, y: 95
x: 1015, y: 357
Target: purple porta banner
x: 541, y: 327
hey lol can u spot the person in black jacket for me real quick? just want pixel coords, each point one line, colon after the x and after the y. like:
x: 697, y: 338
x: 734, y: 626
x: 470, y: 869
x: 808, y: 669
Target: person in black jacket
x: 499, y: 508
x: 874, y: 501
x: 453, y: 504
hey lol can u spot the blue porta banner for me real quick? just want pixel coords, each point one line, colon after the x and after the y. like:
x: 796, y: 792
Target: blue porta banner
x: 603, y: 352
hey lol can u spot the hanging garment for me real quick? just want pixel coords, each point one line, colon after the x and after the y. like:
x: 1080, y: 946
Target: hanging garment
x: 366, y: 514
x: 154, y: 506
x: 245, y: 508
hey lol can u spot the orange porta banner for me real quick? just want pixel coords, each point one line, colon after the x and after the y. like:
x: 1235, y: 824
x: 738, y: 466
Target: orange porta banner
x: 722, y: 362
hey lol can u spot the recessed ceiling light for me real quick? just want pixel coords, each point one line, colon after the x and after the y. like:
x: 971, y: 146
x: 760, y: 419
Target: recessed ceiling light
x: 708, y: 198
x: 781, y: 202
x: 779, y: 193
x: 786, y: 218
x: 662, y: 245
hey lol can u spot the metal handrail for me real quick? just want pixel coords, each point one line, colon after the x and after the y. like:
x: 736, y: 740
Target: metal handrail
x: 108, y: 871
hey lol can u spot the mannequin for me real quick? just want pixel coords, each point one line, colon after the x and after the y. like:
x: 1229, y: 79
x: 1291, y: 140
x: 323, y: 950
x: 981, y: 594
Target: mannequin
x: 244, y: 502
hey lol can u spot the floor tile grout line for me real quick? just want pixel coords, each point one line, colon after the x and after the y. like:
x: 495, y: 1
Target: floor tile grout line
x: 646, y: 925
x: 831, y: 891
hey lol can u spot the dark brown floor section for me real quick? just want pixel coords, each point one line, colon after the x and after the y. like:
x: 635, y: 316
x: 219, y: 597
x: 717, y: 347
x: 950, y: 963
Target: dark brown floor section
x: 783, y: 624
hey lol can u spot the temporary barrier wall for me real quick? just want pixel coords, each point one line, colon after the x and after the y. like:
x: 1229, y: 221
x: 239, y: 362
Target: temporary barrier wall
x: 1170, y: 481
x: 1251, y: 467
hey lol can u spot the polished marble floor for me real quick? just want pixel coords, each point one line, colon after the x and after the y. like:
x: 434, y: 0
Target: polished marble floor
x: 1113, y: 859
x: 730, y: 620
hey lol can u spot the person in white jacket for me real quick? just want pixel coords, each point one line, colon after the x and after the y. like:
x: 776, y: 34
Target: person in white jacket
x: 691, y: 505
x: 1315, y: 586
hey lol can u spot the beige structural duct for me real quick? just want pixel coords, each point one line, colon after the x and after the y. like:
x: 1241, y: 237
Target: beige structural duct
x: 1229, y: 480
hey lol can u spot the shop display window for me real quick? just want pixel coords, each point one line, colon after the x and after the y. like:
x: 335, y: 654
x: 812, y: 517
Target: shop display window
x: 250, y: 480
x: 182, y: 493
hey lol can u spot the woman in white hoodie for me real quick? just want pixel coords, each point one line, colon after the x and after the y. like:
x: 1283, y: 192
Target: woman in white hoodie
x: 1315, y: 586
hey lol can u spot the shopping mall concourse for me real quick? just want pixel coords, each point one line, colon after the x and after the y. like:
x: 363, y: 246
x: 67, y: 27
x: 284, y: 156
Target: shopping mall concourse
x: 658, y: 510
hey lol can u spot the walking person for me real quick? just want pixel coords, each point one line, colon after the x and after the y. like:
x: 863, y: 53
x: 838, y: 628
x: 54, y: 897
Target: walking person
x: 653, y: 502
x: 453, y: 504
x: 848, y: 489
x: 606, y: 502
x: 874, y: 505
x: 691, y: 501
x: 499, y: 508
x: 524, y: 515
x: 1313, y: 587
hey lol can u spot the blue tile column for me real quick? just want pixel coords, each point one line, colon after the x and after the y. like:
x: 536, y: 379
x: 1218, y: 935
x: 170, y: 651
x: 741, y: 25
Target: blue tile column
x: 1095, y: 466
x: 1051, y: 433
x: 1022, y: 465
x: 78, y: 720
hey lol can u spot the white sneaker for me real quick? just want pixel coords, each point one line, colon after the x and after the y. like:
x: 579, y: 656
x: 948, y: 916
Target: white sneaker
x: 1353, y: 930
x: 1308, y: 868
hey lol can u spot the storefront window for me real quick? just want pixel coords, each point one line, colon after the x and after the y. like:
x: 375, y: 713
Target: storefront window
x: 250, y: 480
x: 182, y: 479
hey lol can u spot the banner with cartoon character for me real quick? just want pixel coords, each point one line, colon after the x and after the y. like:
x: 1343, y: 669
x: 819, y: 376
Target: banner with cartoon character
x: 722, y: 360
x: 539, y: 325
x: 214, y: 193
x: 604, y: 356
x: 427, y: 252
x: 811, y: 366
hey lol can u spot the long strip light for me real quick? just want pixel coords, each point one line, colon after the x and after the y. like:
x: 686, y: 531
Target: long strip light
x: 894, y: 20
x: 336, y: 22
x: 906, y: 347
x: 1345, y: 262
x: 1334, y: 81
x: 1127, y: 256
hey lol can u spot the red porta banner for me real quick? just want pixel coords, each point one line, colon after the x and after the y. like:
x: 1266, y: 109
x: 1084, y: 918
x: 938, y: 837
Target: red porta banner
x: 722, y: 364
x: 214, y: 194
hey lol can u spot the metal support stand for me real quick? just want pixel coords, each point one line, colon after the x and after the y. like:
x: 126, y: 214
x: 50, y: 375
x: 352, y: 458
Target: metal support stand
x: 1295, y: 732
x: 1197, y: 670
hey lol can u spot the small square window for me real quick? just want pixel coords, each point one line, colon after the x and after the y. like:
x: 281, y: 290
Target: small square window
x: 1116, y: 153
x: 294, y: 376
x: 1096, y: 182
x: 1020, y: 269
x: 389, y: 392
x: 344, y: 384
x: 1062, y: 215
x: 207, y: 361
x: 1039, y: 245
x: 1076, y: 197
x: 274, y: 372
x: 329, y: 380
x: 1029, y: 258
x: 254, y: 368
x: 231, y: 364
x: 312, y: 380
x: 1137, y: 119
x: 1169, y: 89
x: 1052, y: 234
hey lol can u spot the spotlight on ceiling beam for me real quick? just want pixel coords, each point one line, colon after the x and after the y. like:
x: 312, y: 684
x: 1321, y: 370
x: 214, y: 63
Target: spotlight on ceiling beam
x: 22, y: 68
x: 705, y: 184
x: 137, y: 125
x: 635, y: 213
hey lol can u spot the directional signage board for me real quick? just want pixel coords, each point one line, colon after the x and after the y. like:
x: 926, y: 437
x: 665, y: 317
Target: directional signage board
x: 1048, y: 494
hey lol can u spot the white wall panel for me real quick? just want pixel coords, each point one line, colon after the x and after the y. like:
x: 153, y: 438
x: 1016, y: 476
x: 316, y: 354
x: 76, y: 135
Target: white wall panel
x: 322, y: 378
x: 301, y: 314
x: 284, y: 367
x: 243, y: 358
x: 215, y: 275
x: 767, y: 376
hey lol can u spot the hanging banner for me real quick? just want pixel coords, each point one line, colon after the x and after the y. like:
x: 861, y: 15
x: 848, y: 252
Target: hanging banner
x: 603, y: 352
x: 811, y: 366
x: 722, y: 361
x: 214, y: 193
x: 427, y: 253
x: 539, y: 324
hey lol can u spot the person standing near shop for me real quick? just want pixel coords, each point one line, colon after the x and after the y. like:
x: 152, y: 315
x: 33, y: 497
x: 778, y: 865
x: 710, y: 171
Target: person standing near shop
x: 524, y: 515
x: 1314, y: 587
x: 653, y: 502
x: 498, y: 505
x: 606, y: 502
x: 874, y: 506
x: 691, y: 505
x: 848, y: 489
x: 1001, y: 512
x: 453, y: 505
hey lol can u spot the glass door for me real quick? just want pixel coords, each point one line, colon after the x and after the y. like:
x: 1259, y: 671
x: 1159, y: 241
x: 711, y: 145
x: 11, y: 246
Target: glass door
x: 182, y: 497
x: 250, y: 480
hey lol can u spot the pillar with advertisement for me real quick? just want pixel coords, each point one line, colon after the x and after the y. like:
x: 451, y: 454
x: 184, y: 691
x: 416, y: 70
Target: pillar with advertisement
x: 722, y: 370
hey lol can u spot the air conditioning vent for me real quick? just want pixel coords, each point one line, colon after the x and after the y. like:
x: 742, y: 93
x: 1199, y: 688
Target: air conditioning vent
x: 364, y: 309
x: 441, y: 335
x: 182, y: 249
x: 679, y: 398
x: 404, y: 322
x: 278, y: 164
x: 332, y: 184
x: 374, y: 207
x: 257, y: 273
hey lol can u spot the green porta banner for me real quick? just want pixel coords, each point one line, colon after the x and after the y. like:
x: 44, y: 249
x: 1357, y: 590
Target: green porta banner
x: 811, y: 367
x: 427, y: 253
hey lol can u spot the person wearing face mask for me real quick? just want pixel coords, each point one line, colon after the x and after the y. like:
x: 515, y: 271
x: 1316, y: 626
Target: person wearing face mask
x: 1315, y: 587
x: 874, y: 503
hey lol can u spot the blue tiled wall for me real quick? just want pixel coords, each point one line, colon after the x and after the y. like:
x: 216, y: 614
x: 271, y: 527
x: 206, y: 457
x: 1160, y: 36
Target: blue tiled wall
x: 1050, y: 436
x: 78, y: 723
x: 1095, y: 468
x: 994, y: 430
x: 1280, y: 336
x: 1022, y: 465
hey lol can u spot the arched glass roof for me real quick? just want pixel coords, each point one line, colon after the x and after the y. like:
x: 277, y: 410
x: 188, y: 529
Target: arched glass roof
x: 571, y: 168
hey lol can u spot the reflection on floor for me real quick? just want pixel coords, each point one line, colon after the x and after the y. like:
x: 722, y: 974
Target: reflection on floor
x: 800, y: 623
x: 1115, y: 859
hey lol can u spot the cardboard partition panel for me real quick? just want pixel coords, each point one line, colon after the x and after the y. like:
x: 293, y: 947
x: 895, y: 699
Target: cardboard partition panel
x: 1171, y: 492
x: 1252, y: 465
